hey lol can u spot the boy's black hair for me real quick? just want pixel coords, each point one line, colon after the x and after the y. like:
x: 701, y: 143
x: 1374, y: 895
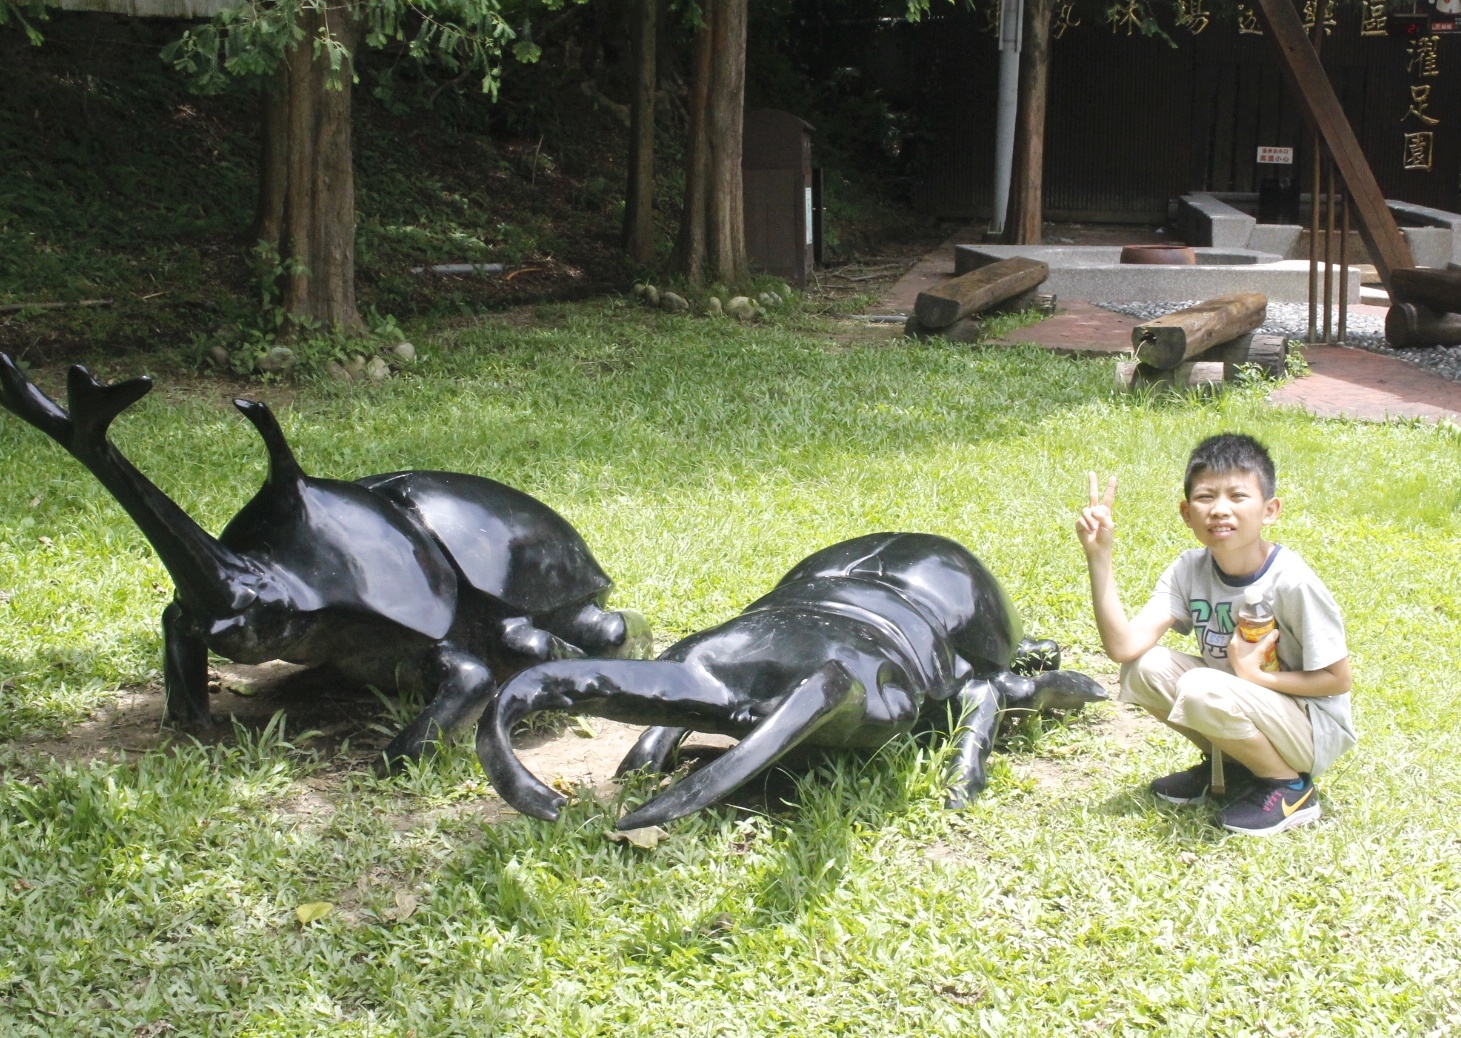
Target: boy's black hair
x: 1231, y: 452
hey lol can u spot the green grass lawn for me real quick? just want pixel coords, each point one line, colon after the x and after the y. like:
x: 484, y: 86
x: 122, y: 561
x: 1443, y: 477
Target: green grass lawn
x: 156, y: 894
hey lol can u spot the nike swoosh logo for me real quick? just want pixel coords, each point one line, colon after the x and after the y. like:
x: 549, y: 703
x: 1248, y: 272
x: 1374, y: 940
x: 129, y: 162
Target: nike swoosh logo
x: 1289, y: 809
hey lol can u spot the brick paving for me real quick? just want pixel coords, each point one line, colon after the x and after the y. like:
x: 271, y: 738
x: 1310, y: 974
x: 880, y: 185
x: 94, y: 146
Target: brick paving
x: 1078, y: 328
x: 1354, y: 383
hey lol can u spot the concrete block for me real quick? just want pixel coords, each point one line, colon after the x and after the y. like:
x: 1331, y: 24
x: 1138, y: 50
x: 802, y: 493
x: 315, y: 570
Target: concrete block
x: 1281, y: 238
x: 1430, y: 246
x: 1423, y: 216
x: 1204, y: 219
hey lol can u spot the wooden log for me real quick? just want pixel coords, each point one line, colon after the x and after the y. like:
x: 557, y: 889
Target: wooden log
x: 15, y: 308
x: 1204, y: 375
x: 1413, y: 324
x: 1168, y: 341
x: 1268, y: 352
x: 978, y: 290
x: 967, y: 329
x: 1438, y: 290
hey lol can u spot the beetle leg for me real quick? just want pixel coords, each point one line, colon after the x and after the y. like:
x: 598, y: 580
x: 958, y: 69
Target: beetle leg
x: 624, y: 634
x: 978, y: 717
x: 1031, y: 657
x: 184, y: 671
x: 655, y: 752
x: 520, y: 636
x: 1050, y: 690
x: 464, y: 688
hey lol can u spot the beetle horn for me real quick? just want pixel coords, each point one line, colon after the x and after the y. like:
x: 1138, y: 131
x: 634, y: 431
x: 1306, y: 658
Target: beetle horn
x: 283, y: 468
x: 206, y: 574
x: 632, y: 691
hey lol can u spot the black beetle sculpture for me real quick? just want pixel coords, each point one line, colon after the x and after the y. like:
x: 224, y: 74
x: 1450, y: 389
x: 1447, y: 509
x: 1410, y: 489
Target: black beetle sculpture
x: 862, y: 641
x: 427, y: 580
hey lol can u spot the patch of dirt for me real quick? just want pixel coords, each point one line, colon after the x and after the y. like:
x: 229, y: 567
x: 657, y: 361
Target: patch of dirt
x: 1120, y: 728
x: 251, y: 696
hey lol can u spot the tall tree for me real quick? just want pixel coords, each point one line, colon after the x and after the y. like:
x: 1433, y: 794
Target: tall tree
x: 712, y: 226
x: 307, y: 178
x: 1024, y: 224
x: 303, y: 52
x: 639, y: 198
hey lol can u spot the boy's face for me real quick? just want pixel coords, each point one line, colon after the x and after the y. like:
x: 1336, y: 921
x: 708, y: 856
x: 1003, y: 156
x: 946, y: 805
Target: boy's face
x: 1227, y: 510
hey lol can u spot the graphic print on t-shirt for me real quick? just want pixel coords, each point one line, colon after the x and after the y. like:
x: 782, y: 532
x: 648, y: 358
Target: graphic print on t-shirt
x: 1214, y: 626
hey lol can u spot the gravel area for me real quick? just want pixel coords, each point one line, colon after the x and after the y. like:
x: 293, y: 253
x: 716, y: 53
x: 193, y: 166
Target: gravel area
x: 1292, y: 320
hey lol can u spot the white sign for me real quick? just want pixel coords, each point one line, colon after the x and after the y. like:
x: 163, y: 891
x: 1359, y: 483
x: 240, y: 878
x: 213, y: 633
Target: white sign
x: 809, y: 216
x: 1275, y: 156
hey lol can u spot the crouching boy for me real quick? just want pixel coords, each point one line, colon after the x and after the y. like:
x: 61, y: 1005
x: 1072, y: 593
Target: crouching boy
x: 1276, y: 730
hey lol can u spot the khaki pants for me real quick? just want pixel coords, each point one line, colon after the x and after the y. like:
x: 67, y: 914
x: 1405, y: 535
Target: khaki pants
x: 1218, y: 705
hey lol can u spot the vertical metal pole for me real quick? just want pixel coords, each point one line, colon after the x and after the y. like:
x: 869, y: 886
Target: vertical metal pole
x: 1329, y: 250
x: 1011, y: 34
x: 1344, y: 267
x: 1314, y: 241
x: 1317, y: 39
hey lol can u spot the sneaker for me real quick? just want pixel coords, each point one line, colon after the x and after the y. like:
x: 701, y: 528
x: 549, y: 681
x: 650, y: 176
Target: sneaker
x: 1190, y: 785
x: 1270, y: 806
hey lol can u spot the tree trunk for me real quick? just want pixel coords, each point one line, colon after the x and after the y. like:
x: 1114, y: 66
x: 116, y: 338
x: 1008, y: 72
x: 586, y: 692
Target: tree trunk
x: 712, y: 227
x: 1024, y: 224
x: 273, y: 158
x: 725, y: 223
x: 306, y: 206
x: 639, y: 198
x: 689, y: 257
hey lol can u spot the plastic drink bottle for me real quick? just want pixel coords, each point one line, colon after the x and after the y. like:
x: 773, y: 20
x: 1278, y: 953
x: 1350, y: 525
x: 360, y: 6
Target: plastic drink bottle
x: 1255, y: 621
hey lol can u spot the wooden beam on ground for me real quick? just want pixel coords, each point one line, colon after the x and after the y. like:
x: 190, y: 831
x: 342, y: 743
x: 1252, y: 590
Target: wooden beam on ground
x: 1438, y: 289
x: 1388, y: 248
x: 1415, y: 324
x: 1181, y: 336
x: 978, y: 290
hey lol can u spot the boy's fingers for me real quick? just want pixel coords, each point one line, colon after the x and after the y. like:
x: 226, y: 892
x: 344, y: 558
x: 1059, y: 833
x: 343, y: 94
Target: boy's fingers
x: 1110, y: 498
x: 1095, y: 494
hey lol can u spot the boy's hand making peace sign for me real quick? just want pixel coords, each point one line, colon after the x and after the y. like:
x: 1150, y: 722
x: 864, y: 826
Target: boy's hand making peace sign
x: 1095, y: 527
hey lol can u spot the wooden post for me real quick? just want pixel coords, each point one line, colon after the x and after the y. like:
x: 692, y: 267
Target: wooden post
x: 1344, y: 267
x: 1314, y: 243
x: 1328, y: 248
x: 1321, y: 106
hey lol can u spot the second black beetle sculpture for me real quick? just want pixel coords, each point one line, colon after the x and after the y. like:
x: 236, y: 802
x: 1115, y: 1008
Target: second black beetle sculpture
x: 427, y: 580
x: 860, y: 642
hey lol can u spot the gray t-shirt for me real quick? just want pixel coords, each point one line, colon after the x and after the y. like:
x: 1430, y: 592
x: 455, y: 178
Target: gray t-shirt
x: 1203, y: 600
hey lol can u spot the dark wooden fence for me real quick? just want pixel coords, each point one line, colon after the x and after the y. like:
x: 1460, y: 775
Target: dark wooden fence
x: 1134, y: 122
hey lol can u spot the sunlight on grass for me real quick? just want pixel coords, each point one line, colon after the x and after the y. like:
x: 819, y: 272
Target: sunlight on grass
x: 700, y: 459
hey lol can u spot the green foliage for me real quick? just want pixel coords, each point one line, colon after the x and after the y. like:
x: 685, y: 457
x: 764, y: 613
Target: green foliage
x: 118, y: 183
x: 24, y: 14
x: 252, y: 37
